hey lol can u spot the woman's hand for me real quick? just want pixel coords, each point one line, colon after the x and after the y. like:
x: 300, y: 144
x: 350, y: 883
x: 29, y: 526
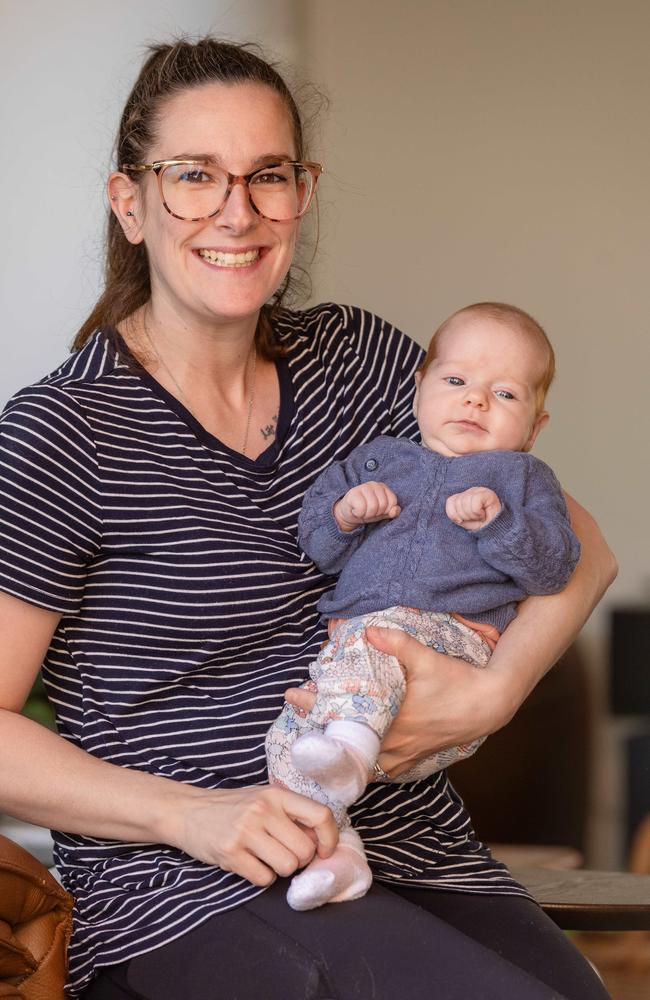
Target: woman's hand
x: 447, y: 702
x: 258, y: 831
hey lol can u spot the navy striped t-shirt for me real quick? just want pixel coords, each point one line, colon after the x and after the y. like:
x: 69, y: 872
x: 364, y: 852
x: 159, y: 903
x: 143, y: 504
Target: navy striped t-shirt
x: 188, y: 608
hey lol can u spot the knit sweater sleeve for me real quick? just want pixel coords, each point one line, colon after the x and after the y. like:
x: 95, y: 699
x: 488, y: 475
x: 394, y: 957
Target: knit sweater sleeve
x: 532, y: 541
x: 319, y: 536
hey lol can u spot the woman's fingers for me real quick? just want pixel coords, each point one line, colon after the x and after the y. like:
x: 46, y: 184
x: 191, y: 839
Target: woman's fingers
x: 252, y: 869
x: 445, y: 703
x: 282, y: 846
x: 394, y: 642
x: 273, y: 853
x: 300, y: 841
x: 318, y: 818
x: 257, y: 831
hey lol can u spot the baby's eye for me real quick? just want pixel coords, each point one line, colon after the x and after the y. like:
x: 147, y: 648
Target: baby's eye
x: 454, y: 380
x: 504, y: 394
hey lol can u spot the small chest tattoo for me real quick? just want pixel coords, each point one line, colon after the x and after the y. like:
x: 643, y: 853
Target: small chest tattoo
x: 271, y: 429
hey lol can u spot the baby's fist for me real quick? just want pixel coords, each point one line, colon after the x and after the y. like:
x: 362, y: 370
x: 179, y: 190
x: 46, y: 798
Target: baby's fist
x: 365, y: 504
x: 474, y: 508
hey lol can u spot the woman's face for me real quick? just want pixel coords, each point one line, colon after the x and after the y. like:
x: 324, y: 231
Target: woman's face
x: 241, y: 126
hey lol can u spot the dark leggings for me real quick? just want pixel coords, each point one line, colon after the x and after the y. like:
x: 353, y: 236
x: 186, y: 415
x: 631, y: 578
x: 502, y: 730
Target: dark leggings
x: 414, y: 943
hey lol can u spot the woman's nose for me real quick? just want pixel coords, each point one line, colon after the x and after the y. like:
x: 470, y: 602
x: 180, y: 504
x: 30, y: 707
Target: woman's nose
x: 237, y: 214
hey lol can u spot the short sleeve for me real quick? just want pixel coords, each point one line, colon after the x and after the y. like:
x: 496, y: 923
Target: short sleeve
x: 50, y: 514
x: 391, y: 360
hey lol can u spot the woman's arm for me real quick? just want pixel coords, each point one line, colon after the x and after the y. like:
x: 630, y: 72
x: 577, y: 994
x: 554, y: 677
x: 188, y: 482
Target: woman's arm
x: 449, y: 702
x: 546, y: 626
x: 255, y: 831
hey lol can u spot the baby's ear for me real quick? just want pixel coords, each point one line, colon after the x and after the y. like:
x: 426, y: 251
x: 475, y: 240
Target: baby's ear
x: 541, y: 421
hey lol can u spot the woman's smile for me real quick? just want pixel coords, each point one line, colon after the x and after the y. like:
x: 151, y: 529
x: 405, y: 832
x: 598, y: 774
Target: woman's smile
x: 229, y: 258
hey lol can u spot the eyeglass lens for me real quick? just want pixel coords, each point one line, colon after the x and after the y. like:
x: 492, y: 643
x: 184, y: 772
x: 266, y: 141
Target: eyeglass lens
x: 194, y: 191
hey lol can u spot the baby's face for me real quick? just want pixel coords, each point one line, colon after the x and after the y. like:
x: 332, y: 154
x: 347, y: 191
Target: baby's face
x: 479, y: 393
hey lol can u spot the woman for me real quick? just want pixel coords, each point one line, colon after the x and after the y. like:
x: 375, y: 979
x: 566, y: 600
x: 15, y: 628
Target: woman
x: 151, y: 488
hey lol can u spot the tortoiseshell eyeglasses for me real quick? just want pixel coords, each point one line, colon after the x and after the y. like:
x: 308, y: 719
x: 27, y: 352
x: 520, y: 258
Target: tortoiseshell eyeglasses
x: 192, y: 190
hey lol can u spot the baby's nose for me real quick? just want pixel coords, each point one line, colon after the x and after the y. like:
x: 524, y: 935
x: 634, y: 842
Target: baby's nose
x: 476, y: 396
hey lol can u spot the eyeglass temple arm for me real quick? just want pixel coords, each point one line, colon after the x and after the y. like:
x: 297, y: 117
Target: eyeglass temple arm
x: 138, y: 167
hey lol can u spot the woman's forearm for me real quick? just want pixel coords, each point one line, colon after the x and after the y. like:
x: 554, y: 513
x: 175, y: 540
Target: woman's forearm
x: 546, y: 626
x: 256, y: 831
x: 47, y: 781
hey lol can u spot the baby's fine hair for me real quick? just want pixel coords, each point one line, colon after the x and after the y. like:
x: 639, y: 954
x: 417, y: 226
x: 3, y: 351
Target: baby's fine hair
x: 510, y: 316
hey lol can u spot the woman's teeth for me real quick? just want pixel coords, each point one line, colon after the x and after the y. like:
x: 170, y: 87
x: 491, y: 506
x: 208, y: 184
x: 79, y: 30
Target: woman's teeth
x: 222, y: 259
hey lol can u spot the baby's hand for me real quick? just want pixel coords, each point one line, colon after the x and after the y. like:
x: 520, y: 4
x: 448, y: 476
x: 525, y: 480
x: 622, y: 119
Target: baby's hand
x: 365, y: 504
x: 474, y: 508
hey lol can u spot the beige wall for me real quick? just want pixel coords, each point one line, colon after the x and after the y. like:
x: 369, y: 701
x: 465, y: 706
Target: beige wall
x: 501, y: 149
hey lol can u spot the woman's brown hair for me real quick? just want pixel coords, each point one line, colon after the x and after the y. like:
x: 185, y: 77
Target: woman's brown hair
x: 169, y: 70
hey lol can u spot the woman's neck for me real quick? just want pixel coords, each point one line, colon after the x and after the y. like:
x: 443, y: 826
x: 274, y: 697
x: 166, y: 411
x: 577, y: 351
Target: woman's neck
x: 209, y: 354
x: 213, y: 371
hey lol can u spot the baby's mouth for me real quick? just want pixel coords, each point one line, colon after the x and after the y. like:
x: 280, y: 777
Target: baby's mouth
x: 470, y: 424
x: 222, y: 258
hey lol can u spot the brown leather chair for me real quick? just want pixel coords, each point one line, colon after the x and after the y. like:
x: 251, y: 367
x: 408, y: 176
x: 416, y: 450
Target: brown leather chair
x: 35, y: 927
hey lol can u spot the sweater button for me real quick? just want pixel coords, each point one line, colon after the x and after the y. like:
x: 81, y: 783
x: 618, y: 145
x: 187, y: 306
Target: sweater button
x: 371, y: 464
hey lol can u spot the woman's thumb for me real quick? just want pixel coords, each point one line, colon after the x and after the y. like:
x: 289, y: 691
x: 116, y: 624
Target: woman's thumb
x: 394, y: 642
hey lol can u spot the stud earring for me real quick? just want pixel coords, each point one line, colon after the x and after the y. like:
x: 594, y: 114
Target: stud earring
x: 131, y: 214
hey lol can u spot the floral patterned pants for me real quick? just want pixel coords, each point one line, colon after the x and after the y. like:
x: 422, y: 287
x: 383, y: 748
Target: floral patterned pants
x: 354, y: 681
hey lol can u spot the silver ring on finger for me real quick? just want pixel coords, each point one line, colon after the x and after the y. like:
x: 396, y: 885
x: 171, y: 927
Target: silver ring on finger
x: 379, y: 773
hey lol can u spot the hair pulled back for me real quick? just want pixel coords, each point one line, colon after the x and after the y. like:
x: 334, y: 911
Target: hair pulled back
x: 169, y: 70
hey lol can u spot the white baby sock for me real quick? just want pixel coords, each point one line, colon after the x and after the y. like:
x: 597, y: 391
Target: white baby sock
x: 340, y: 759
x: 343, y: 876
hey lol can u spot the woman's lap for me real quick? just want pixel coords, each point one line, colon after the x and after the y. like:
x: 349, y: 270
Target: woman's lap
x: 431, y: 946
x: 518, y: 930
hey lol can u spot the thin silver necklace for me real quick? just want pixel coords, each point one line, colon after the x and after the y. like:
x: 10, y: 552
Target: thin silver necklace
x: 186, y: 403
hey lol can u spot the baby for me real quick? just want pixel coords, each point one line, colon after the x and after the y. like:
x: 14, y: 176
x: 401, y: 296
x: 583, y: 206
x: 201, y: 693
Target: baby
x: 441, y: 540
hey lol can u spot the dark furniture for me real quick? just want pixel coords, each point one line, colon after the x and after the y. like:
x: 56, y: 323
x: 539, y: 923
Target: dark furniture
x: 582, y: 900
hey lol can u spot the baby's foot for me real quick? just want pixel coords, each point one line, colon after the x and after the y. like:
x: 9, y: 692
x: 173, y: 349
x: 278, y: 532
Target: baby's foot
x: 343, y: 876
x: 341, y: 771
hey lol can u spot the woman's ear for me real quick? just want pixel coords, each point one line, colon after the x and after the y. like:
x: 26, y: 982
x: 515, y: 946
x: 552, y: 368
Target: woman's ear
x: 124, y: 197
x: 541, y: 420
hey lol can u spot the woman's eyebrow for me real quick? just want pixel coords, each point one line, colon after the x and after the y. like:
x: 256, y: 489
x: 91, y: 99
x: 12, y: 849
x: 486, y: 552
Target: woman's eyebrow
x: 260, y: 161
